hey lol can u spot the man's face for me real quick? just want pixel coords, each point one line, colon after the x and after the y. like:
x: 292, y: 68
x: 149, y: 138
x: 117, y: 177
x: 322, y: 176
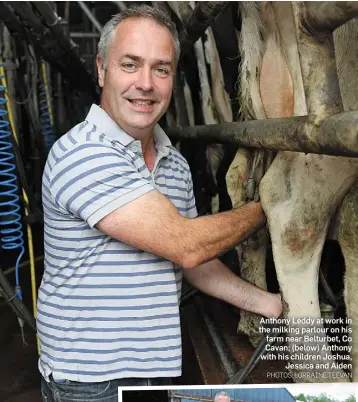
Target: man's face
x: 221, y: 398
x: 138, y: 82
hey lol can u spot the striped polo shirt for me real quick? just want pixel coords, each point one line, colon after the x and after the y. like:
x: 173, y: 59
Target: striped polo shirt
x: 107, y: 310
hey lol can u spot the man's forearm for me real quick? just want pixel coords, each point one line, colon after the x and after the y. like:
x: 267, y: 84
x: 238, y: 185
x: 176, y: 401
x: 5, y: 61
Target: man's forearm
x: 209, y: 236
x: 152, y: 223
x: 215, y: 279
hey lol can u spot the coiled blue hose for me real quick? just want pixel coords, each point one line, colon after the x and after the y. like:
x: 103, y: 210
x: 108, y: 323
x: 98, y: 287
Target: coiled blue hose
x: 11, y: 233
x: 45, y: 117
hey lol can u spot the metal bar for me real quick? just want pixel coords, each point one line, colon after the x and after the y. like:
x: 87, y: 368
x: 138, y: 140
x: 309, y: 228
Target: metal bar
x: 162, y: 6
x: 60, y: 107
x: 181, y: 9
x: 7, y: 291
x: 121, y: 5
x: 11, y: 21
x: 318, y: 65
x: 53, y: 22
x: 328, y: 15
x: 203, y: 15
x: 174, y: 394
x: 22, y: 265
x: 182, y: 118
x: 180, y: 395
x: 84, y: 35
x: 90, y: 16
x: 67, y: 13
x: 25, y: 11
x: 10, y: 67
x: 337, y: 135
x: 94, y: 50
x: 44, y: 29
x: 217, y: 341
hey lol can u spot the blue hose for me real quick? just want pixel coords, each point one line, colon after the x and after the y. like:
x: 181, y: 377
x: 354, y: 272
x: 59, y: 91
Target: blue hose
x: 45, y: 117
x: 11, y: 233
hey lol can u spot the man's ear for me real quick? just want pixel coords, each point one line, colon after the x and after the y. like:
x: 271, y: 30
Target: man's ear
x: 100, y: 70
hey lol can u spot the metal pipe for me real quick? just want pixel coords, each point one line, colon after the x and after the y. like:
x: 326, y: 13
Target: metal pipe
x: 59, y: 104
x: 181, y: 9
x: 336, y: 135
x: 90, y: 16
x: 50, y: 39
x: 10, y: 67
x: 94, y: 51
x: 203, y: 15
x: 217, y: 341
x: 162, y: 6
x: 19, y: 308
x: 179, y: 396
x: 121, y: 5
x: 328, y: 15
x: 84, y: 35
x: 11, y: 21
x: 186, y: 396
x: 67, y: 14
x: 22, y: 265
x: 182, y: 118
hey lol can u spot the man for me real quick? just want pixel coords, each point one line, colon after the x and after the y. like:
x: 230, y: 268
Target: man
x: 222, y: 397
x: 120, y: 222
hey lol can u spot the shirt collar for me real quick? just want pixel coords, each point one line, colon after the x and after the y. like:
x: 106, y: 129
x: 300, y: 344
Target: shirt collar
x: 105, y: 124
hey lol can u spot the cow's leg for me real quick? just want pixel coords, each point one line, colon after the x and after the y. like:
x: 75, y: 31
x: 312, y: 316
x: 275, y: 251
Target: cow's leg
x: 251, y: 253
x: 346, y: 56
x: 348, y: 240
x: 299, y: 194
x: 264, y: 97
x: 252, y: 257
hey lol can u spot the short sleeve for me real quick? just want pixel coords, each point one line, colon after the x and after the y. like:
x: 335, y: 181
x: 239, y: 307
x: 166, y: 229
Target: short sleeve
x: 191, y: 207
x: 92, y: 180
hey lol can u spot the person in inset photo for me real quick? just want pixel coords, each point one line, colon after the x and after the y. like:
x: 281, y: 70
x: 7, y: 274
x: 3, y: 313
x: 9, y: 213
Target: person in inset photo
x: 222, y: 397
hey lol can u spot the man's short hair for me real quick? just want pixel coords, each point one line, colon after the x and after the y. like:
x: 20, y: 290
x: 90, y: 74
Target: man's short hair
x: 222, y: 393
x: 137, y: 11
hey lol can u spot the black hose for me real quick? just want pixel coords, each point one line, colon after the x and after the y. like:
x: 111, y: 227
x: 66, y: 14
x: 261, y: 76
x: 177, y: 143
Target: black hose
x: 328, y: 290
x: 242, y: 374
x: 14, y: 302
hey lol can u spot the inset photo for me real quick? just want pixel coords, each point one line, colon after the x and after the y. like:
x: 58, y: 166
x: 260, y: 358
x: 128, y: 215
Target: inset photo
x: 291, y: 393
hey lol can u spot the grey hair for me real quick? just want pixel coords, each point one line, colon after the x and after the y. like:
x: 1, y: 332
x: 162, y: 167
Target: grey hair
x: 222, y: 393
x: 140, y: 11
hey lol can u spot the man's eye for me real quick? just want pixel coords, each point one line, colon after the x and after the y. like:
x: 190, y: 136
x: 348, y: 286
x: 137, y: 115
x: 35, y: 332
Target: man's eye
x: 129, y: 66
x: 162, y: 72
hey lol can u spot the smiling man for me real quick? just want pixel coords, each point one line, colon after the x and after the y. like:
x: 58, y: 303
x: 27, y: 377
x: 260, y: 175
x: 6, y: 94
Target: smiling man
x: 121, y: 227
x: 222, y: 397
x: 136, y: 75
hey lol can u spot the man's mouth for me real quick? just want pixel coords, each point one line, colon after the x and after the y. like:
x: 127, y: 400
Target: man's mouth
x: 141, y: 102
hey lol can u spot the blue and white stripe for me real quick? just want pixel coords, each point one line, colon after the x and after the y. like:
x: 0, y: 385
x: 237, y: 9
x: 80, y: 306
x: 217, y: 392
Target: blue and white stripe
x: 105, y: 309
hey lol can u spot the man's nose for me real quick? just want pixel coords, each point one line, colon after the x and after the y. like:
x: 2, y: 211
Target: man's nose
x: 145, y: 80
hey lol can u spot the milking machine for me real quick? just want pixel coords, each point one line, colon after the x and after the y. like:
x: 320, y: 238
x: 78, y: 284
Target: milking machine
x: 10, y: 218
x: 12, y: 176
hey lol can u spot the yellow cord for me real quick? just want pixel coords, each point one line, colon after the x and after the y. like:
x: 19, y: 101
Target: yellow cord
x: 46, y: 87
x: 29, y: 230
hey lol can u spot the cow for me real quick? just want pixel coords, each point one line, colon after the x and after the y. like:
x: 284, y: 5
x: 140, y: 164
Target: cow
x: 299, y: 192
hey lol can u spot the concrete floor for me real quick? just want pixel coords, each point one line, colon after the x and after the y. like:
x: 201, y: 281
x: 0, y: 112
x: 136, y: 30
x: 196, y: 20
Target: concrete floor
x: 19, y: 376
